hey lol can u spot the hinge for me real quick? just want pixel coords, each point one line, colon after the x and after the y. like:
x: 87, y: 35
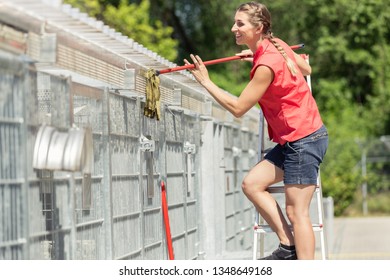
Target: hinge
x: 146, y: 144
x: 189, y: 148
x: 237, y: 152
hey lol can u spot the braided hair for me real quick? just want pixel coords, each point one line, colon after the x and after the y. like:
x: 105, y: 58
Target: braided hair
x: 259, y: 14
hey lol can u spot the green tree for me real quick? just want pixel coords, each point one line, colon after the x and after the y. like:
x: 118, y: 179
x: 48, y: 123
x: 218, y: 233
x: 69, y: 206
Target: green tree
x: 93, y: 8
x: 134, y: 21
x: 349, y: 48
x: 204, y: 28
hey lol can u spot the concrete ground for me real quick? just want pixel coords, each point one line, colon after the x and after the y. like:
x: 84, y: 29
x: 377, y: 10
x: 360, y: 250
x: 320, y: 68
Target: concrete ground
x: 365, y: 238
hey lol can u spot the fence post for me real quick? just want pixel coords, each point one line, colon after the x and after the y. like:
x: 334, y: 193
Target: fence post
x: 107, y: 184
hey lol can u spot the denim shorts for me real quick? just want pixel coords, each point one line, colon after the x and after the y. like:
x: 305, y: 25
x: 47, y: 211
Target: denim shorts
x: 300, y: 160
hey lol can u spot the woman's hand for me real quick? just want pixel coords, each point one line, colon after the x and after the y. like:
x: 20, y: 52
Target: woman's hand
x: 247, y: 55
x: 200, y: 71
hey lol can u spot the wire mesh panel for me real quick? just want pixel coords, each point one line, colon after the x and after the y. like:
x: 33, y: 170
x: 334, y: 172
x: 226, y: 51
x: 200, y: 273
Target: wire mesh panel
x: 50, y: 235
x: 53, y: 100
x: 192, y: 190
x: 125, y: 168
x: 238, y: 158
x: 88, y: 105
x: 113, y: 212
x: 17, y: 88
x: 50, y: 192
x: 176, y: 191
x: 232, y: 182
x: 182, y: 138
x: 152, y: 164
x: 248, y: 160
x: 88, y: 78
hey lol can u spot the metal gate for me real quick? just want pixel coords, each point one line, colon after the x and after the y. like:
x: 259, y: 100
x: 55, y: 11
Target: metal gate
x: 86, y: 79
x: 114, y: 212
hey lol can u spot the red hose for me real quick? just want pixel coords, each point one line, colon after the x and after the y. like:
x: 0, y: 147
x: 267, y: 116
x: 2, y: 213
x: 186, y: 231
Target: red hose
x: 210, y: 62
x: 166, y: 221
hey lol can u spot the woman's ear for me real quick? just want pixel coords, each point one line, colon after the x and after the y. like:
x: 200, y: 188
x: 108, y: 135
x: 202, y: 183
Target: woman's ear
x: 259, y: 29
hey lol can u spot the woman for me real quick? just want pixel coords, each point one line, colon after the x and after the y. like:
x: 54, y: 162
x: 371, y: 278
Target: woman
x: 294, y: 123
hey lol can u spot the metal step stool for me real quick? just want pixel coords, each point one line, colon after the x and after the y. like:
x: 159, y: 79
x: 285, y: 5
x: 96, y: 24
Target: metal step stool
x: 261, y: 228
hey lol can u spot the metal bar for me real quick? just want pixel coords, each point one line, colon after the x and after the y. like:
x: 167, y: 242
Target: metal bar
x: 137, y: 252
x: 126, y: 216
x: 51, y: 232
x: 5, y: 120
x: 90, y: 223
x: 12, y: 181
x: 17, y: 242
x: 107, y: 180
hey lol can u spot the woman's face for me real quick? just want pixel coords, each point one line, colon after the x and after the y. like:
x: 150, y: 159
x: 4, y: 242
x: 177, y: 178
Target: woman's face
x: 245, y: 32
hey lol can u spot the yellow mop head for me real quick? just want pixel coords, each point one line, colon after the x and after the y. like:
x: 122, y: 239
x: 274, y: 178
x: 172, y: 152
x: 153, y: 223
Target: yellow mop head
x: 152, y: 104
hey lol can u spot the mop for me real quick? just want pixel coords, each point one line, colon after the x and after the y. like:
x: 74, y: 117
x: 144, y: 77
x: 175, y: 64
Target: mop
x: 152, y: 105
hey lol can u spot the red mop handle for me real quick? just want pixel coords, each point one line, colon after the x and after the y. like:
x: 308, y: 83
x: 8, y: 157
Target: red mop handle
x: 166, y: 220
x: 214, y: 61
x: 191, y: 66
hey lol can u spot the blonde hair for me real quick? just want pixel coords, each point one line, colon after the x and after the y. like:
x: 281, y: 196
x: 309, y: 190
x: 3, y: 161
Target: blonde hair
x: 259, y: 15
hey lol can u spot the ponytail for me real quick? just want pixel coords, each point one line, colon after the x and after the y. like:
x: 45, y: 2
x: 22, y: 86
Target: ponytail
x: 290, y: 63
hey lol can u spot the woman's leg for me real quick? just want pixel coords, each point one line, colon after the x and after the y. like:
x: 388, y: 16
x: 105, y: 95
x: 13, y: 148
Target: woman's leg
x: 298, y: 198
x: 255, y: 185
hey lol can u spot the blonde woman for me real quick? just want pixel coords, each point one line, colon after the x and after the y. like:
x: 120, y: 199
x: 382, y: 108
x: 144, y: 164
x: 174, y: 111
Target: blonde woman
x: 277, y: 84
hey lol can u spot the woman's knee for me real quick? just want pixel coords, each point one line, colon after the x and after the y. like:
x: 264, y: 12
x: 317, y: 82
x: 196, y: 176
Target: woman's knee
x: 263, y: 175
x: 250, y: 186
x: 290, y: 214
x: 296, y: 215
x: 247, y: 186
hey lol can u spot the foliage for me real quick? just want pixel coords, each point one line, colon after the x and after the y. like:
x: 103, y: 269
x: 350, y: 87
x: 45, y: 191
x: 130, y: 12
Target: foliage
x: 133, y: 20
x: 338, y: 181
x: 349, y: 64
x: 378, y: 204
x: 92, y: 7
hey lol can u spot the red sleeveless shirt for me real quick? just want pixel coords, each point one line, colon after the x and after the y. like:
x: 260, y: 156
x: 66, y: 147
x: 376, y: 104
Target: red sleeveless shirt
x: 288, y: 105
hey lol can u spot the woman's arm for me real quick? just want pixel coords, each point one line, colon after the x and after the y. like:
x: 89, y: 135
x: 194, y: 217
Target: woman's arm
x: 249, y: 96
x: 302, y: 64
x: 247, y: 55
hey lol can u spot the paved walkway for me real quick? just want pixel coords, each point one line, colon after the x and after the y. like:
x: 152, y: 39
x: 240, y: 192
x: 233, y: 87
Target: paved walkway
x: 365, y: 238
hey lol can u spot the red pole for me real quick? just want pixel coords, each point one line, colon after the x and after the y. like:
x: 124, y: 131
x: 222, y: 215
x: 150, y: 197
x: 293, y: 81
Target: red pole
x: 211, y: 62
x: 166, y: 221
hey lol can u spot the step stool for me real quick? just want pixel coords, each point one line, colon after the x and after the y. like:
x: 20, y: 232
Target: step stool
x: 261, y: 228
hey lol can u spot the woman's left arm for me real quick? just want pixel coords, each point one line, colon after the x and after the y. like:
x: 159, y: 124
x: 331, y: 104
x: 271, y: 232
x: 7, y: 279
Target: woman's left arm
x: 302, y: 64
